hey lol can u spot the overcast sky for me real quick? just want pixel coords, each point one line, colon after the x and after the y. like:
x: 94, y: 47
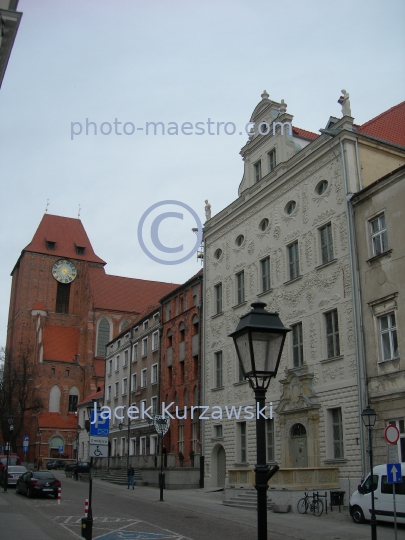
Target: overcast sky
x: 169, y: 61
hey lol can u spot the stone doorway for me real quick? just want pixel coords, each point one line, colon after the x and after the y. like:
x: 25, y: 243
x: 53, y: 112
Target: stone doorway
x: 299, y: 450
x: 218, y: 466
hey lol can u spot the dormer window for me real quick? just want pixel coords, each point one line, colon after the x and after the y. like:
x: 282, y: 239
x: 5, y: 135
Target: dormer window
x: 50, y: 245
x: 80, y: 249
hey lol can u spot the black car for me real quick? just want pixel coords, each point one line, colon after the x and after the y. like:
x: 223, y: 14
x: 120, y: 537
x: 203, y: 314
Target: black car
x: 34, y: 483
x: 13, y: 473
x: 57, y: 464
x: 81, y: 466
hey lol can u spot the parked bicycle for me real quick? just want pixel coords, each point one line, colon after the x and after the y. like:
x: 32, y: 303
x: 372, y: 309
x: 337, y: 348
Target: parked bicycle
x: 315, y: 505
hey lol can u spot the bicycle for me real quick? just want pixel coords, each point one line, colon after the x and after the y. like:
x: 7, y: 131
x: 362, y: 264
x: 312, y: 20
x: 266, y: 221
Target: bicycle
x: 316, y: 506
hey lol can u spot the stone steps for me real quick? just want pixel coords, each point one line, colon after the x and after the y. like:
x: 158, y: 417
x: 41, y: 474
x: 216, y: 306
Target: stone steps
x: 119, y: 477
x: 246, y: 499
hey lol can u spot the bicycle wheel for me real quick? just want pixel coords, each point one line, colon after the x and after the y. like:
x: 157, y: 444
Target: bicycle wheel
x: 302, y: 506
x: 318, y: 508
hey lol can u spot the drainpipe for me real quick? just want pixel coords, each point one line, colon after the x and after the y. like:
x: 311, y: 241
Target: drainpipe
x: 200, y: 377
x: 353, y: 272
x: 202, y: 374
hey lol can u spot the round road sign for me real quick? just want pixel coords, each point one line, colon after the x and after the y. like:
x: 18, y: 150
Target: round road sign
x: 161, y: 424
x: 391, y: 434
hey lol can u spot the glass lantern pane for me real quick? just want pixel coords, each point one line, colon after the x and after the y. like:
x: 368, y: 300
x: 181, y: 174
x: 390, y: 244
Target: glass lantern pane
x: 242, y: 343
x: 266, y: 347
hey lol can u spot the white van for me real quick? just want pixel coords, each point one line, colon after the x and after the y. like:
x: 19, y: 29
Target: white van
x: 360, y: 501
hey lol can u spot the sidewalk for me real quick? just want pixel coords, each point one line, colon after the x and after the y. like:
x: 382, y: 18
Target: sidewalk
x: 295, y: 526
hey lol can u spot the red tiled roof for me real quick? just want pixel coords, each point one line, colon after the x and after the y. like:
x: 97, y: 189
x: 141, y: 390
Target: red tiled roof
x: 124, y: 294
x: 60, y: 343
x: 54, y: 420
x: 39, y: 306
x: 93, y: 395
x: 304, y: 133
x: 389, y: 125
x: 67, y: 233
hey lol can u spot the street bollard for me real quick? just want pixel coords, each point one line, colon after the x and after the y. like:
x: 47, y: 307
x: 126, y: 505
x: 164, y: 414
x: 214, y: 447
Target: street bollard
x: 59, y: 494
x: 86, y: 508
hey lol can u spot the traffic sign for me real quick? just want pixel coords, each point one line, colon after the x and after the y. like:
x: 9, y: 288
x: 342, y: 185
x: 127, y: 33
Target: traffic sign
x: 161, y: 424
x: 100, y: 427
x: 102, y: 441
x: 60, y: 449
x: 25, y: 438
x: 394, y: 473
x: 391, y: 434
x: 25, y: 448
x: 97, y: 450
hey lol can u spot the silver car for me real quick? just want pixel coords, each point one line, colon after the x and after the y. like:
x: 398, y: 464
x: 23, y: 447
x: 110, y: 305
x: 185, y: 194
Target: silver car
x: 13, y: 474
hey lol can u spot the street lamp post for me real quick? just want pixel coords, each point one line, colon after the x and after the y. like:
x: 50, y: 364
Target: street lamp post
x: 89, y: 521
x: 259, y: 340
x: 10, y: 420
x: 369, y: 417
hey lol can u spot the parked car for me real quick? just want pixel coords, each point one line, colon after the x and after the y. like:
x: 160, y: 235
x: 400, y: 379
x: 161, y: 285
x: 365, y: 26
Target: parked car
x: 360, y: 501
x: 81, y: 466
x: 13, y: 459
x: 57, y: 464
x: 34, y: 483
x: 13, y: 474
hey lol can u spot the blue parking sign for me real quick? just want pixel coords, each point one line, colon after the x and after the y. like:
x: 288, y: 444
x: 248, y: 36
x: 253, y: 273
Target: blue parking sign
x: 394, y: 473
x: 25, y: 448
x: 60, y: 449
x: 100, y: 427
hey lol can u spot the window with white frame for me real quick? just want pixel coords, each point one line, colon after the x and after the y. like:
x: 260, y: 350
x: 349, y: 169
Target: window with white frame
x: 272, y: 159
x: 218, y: 298
x: 240, y: 287
x: 181, y: 436
x: 109, y: 392
x: 155, y: 341
x: 194, y: 435
x: 218, y: 433
x: 144, y: 346
x: 142, y: 446
x: 132, y: 446
x: 388, y: 336
x: 133, y: 382
x: 116, y: 390
x: 332, y: 334
x: 326, y: 243
x: 122, y: 446
x: 109, y: 367
x: 293, y: 260
x: 297, y: 345
x: 154, y: 403
x: 125, y: 358
x: 124, y: 386
x: 258, y: 171
x: 117, y: 362
x: 241, y: 428
x: 218, y: 370
x: 143, y: 378
x: 337, y: 432
x: 114, y: 447
x: 135, y: 352
x: 154, y: 447
x: 270, y: 439
x: 265, y: 268
x: 400, y: 446
x: 379, y: 235
x: 154, y: 376
x: 145, y: 325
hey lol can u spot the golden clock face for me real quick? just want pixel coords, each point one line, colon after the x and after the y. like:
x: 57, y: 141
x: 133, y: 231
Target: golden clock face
x: 64, y: 271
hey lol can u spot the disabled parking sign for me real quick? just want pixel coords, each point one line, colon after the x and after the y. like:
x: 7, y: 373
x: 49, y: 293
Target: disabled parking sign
x: 99, y: 427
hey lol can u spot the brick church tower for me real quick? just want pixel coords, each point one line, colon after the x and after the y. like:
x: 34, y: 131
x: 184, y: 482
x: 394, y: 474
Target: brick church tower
x: 64, y: 308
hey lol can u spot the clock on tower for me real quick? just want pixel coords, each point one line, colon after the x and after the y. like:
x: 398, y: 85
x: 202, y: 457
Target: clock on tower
x: 64, y: 271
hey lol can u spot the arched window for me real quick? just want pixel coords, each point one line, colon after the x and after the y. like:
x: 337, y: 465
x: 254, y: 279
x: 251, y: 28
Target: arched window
x: 103, y: 336
x: 298, y: 430
x: 54, y: 399
x: 124, y: 325
x: 56, y: 442
x: 73, y: 399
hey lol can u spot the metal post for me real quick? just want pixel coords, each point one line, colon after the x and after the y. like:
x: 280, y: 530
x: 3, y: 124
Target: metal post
x: 373, y: 521
x: 395, y: 511
x: 161, y: 474
x: 261, y: 468
x: 89, y: 527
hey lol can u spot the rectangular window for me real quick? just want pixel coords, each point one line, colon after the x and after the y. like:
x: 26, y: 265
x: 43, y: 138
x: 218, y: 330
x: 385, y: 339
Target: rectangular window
x: 242, y: 442
x: 109, y: 392
x: 143, y: 378
x: 154, y: 377
x: 218, y: 370
x: 114, y: 447
x: 145, y: 325
x: 135, y: 352
x: 326, y: 243
x: 270, y: 440
x: 124, y: 386
x: 109, y: 367
x: 258, y: 171
x: 145, y: 346
x: 62, y: 298
x: 379, y: 235
x: 168, y: 311
x: 272, y: 159
x: 125, y: 358
x: 218, y: 431
x: 155, y: 341
x: 181, y: 436
x: 153, y: 445
x: 218, y: 298
x: 332, y: 334
x: 116, y: 390
x: 388, y: 333
x: 337, y: 433
x: 117, y: 362
x: 240, y: 287
x: 132, y: 447
x: 265, y: 266
x: 297, y: 344
x: 293, y: 260
x: 133, y: 382
x: 142, y: 446
x: 73, y: 403
x: 194, y: 436
x: 154, y: 403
